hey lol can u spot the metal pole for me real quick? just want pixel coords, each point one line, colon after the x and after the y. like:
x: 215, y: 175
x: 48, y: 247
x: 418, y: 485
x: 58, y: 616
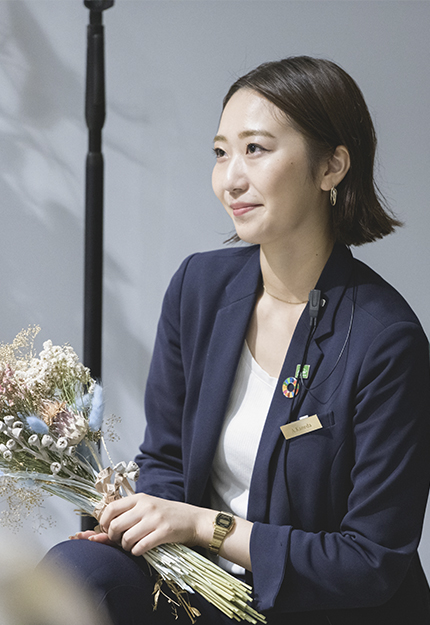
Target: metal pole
x: 95, y: 112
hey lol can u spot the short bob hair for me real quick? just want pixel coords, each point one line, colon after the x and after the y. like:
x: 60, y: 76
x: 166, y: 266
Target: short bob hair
x: 325, y: 104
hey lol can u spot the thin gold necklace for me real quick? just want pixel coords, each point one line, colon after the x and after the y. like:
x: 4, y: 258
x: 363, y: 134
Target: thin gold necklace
x: 283, y: 300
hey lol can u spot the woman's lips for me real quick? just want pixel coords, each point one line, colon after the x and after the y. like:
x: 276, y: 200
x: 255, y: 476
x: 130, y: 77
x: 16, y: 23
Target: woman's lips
x: 241, y: 208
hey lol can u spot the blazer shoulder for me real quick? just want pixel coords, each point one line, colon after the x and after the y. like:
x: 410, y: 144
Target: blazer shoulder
x: 380, y: 300
x: 215, y: 278
x: 218, y: 267
x: 231, y: 257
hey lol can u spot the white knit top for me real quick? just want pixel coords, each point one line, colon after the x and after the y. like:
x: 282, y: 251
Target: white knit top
x: 234, y: 460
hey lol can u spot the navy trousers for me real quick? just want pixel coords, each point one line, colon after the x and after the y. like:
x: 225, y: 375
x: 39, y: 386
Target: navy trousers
x: 124, y: 585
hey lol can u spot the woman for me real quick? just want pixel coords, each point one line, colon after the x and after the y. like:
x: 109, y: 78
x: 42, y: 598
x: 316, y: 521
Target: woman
x: 289, y: 384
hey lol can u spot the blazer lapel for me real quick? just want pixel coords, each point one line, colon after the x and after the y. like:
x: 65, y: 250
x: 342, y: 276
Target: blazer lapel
x: 225, y: 348
x: 332, y: 283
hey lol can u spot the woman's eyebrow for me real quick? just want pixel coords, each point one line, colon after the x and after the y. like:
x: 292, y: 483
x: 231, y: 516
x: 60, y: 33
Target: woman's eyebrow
x: 220, y: 138
x: 247, y: 133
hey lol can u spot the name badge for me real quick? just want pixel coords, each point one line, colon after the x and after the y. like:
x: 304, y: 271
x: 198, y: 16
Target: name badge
x: 302, y: 426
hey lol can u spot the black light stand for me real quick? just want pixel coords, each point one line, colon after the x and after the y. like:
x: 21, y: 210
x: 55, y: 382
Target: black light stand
x: 95, y: 112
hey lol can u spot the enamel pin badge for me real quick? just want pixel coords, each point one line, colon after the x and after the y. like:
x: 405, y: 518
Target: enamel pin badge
x: 290, y: 386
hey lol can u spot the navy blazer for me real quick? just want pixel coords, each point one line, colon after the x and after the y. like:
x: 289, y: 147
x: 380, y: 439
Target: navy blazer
x: 338, y: 511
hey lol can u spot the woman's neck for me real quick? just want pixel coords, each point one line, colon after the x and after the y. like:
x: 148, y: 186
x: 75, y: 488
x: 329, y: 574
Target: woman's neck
x: 291, y: 272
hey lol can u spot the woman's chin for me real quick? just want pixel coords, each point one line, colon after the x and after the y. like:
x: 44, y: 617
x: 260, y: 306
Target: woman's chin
x: 248, y: 235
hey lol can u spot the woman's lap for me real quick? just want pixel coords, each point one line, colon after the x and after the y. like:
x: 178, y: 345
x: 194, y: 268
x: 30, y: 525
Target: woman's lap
x: 123, y: 585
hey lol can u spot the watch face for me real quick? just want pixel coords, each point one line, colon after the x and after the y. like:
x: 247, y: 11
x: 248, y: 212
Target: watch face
x: 224, y: 520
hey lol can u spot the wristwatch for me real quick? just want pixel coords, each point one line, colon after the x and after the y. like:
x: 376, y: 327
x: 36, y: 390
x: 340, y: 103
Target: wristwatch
x: 223, y: 524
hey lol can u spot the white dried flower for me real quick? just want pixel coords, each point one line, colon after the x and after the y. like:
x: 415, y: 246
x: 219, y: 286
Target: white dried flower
x: 7, y: 455
x: 47, y: 347
x: 62, y: 443
x: 47, y: 440
x: 3, y: 448
x: 11, y: 444
x: 16, y: 432
x: 2, y: 426
x: 34, y: 440
x: 9, y: 419
x: 55, y: 467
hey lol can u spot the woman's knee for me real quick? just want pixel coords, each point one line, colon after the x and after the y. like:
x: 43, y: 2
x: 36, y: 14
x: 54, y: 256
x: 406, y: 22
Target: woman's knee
x: 118, y: 582
x: 97, y: 564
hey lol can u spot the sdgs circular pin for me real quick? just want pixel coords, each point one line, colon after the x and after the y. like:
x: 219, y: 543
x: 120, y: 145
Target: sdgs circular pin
x: 290, y: 387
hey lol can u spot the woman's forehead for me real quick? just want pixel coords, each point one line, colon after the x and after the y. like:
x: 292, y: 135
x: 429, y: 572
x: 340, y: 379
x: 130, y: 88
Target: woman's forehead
x: 247, y: 114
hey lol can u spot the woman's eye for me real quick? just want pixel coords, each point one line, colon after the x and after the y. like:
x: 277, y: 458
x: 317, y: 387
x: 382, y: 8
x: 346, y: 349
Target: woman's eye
x: 218, y: 152
x: 254, y: 148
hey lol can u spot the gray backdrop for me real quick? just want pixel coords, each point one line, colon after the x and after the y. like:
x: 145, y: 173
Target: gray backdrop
x: 169, y: 63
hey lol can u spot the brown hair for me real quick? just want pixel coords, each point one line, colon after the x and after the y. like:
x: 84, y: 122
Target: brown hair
x: 324, y: 103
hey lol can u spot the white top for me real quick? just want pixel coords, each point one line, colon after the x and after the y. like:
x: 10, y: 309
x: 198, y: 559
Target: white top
x: 234, y: 460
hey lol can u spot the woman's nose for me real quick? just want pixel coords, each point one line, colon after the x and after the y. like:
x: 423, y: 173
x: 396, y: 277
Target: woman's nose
x: 236, y: 180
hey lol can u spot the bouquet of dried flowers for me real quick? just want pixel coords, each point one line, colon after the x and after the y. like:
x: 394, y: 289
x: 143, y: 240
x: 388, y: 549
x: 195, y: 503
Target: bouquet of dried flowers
x: 51, y: 414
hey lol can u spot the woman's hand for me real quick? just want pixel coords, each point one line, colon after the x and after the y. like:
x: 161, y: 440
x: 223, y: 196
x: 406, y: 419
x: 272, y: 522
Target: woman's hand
x: 140, y: 522
x: 95, y: 535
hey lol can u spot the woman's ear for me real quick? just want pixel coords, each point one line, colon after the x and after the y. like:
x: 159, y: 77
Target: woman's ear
x: 336, y: 168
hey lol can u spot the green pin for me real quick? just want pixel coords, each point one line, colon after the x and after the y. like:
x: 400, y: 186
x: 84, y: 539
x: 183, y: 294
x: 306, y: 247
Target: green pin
x: 305, y: 371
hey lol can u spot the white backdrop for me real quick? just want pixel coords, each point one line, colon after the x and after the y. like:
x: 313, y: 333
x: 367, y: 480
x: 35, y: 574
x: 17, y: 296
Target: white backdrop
x: 169, y: 63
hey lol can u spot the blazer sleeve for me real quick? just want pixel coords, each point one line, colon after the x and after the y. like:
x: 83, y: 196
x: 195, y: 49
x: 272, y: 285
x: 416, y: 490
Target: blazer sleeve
x: 364, y: 563
x: 160, y: 458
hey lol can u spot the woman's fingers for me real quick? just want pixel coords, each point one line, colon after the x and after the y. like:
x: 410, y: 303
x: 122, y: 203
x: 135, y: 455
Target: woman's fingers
x: 128, y: 520
x: 102, y: 538
x: 96, y: 535
x: 116, y: 508
x: 82, y: 535
x: 144, y: 543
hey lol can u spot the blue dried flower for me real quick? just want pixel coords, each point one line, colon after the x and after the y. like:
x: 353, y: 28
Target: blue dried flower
x: 83, y: 402
x: 37, y: 425
x: 95, y: 418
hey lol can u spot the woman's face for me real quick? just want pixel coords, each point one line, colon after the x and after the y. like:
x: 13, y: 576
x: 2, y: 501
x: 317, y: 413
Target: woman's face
x: 262, y: 175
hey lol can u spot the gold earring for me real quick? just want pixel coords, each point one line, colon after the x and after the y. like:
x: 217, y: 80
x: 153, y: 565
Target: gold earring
x: 333, y: 196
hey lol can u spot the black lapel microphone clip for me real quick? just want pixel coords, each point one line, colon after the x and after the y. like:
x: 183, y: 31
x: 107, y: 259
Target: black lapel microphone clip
x: 314, y: 306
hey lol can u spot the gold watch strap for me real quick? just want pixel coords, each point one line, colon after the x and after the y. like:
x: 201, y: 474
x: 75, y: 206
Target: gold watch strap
x: 223, y: 524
